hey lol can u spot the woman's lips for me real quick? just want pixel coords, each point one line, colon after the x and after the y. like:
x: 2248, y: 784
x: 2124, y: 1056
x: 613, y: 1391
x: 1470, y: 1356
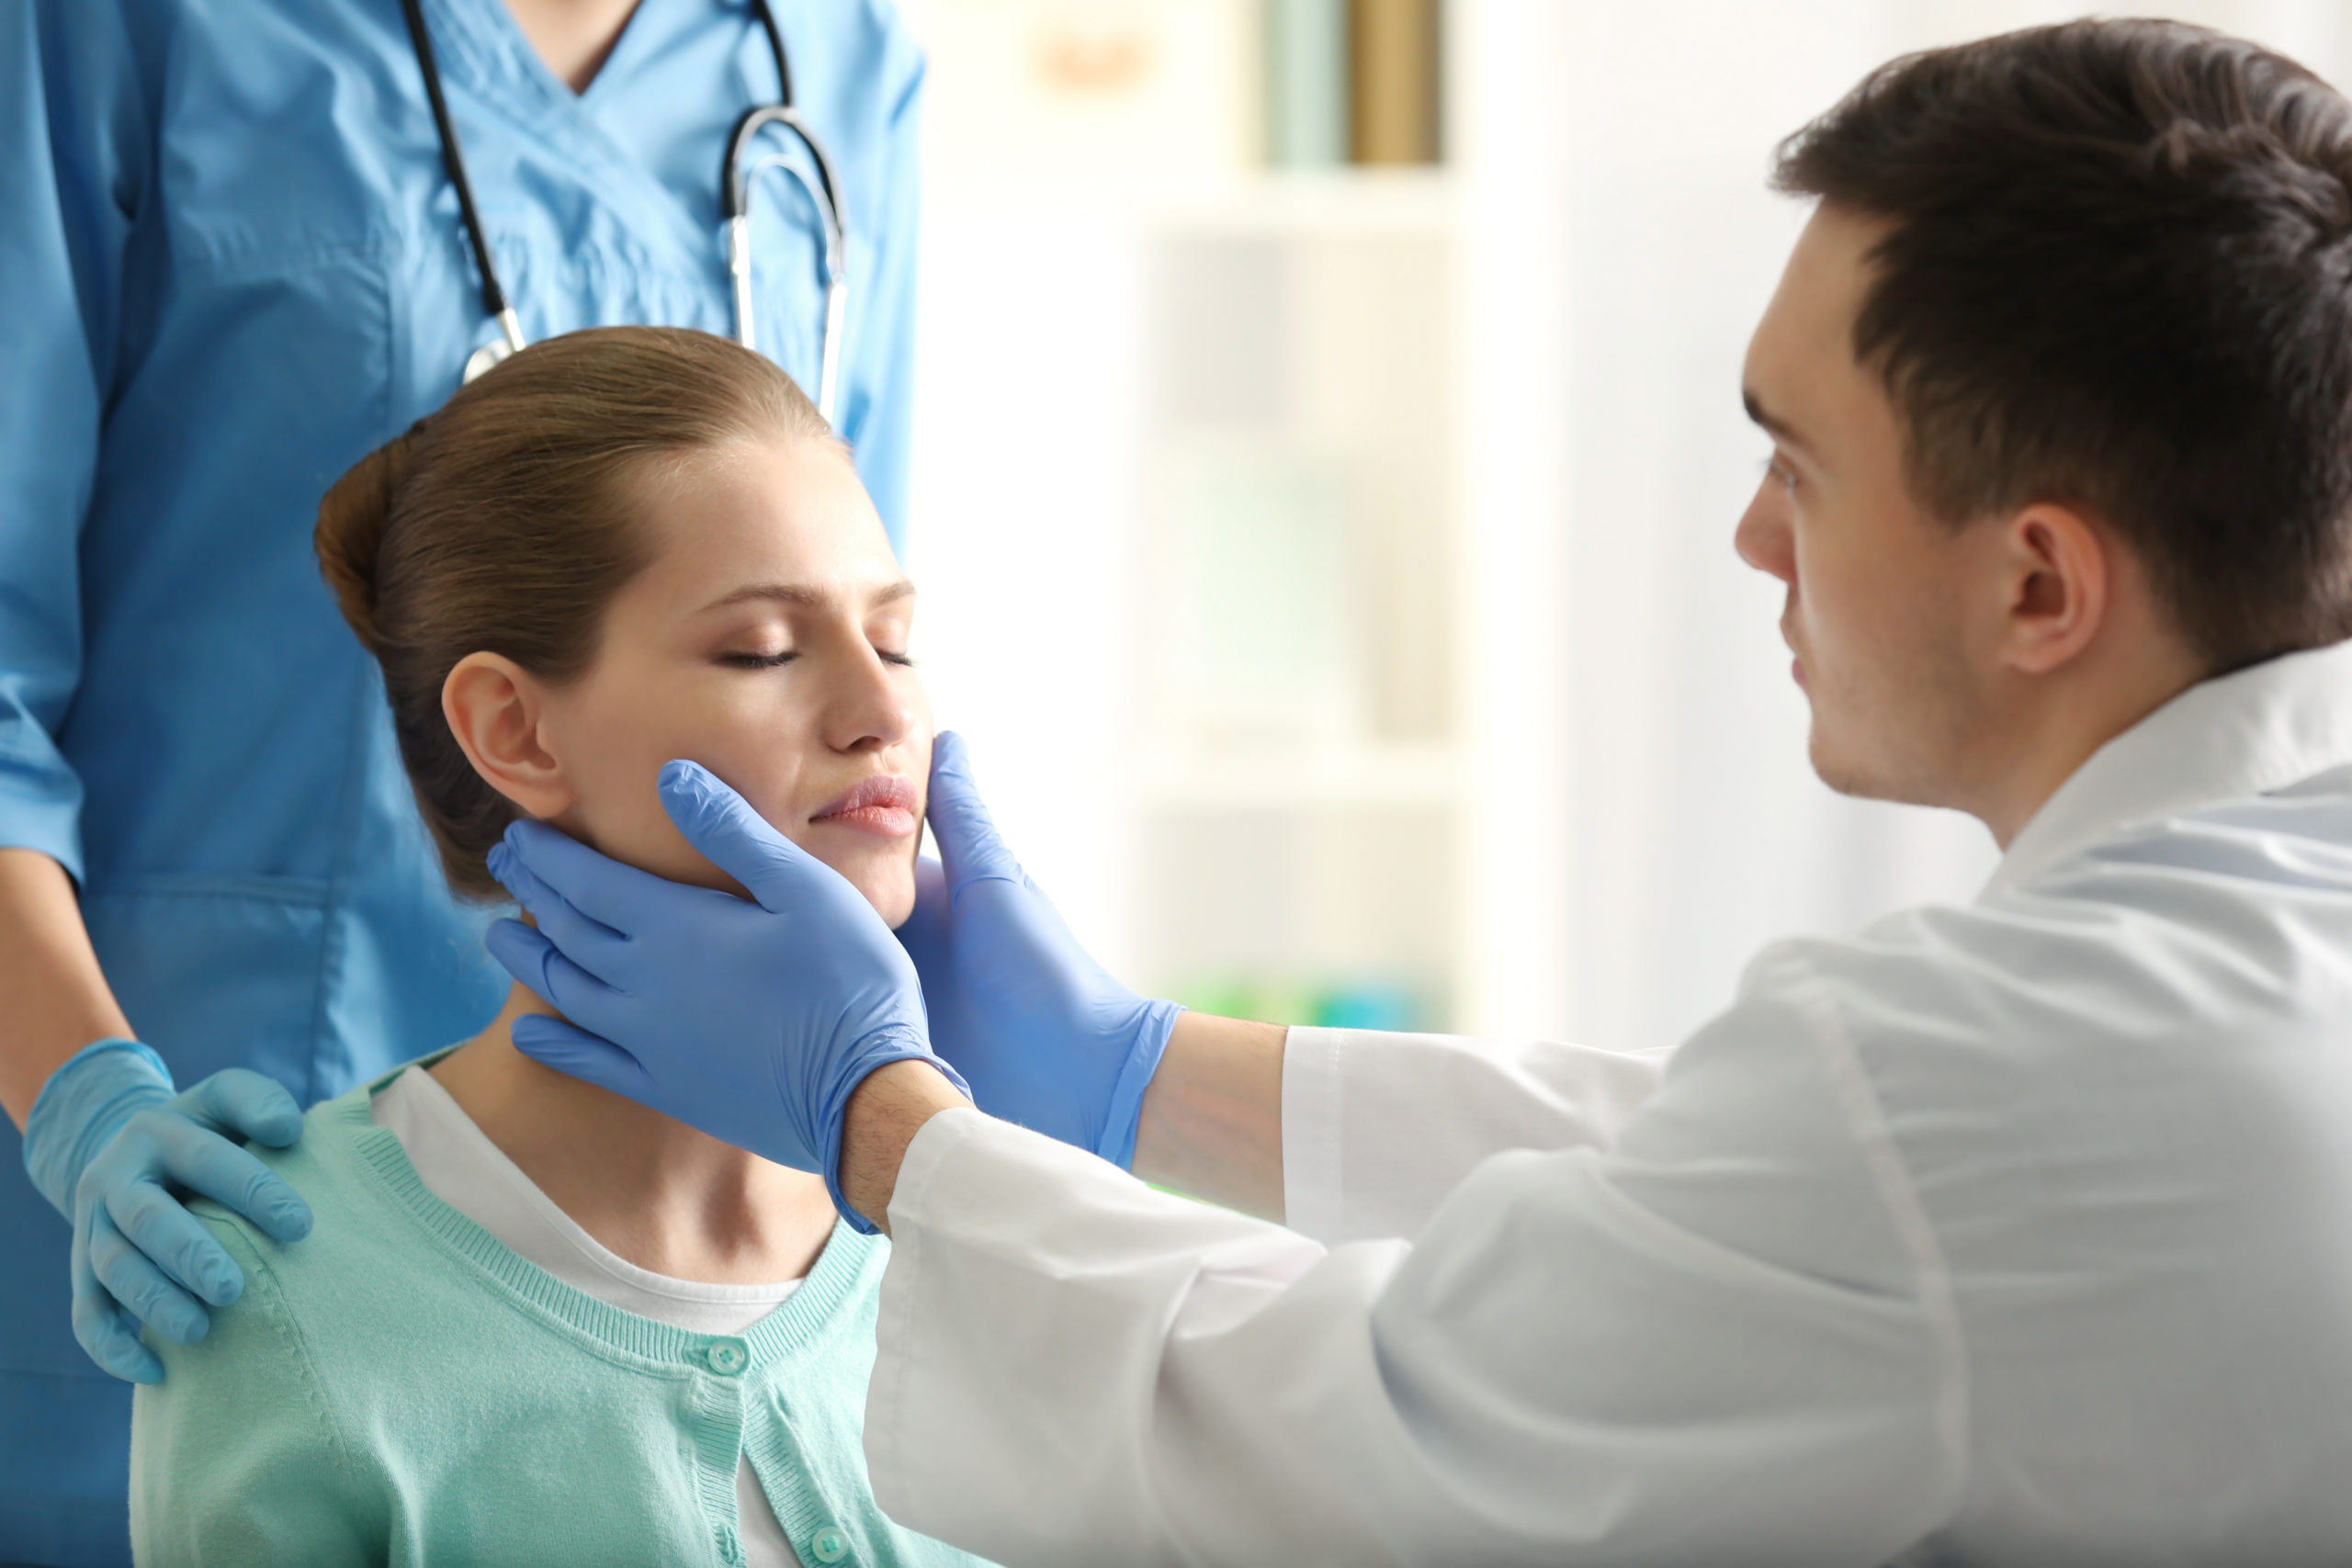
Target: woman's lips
x: 883, y: 805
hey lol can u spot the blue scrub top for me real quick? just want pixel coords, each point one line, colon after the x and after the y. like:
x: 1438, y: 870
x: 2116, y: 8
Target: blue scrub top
x: 233, y: 265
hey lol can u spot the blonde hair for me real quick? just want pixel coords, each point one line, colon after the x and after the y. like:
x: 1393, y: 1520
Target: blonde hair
x: 506, y: 522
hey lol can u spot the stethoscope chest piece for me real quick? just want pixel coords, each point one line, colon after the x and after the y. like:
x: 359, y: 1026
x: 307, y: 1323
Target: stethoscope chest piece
x: 508, y: 341
x: 486, y: 357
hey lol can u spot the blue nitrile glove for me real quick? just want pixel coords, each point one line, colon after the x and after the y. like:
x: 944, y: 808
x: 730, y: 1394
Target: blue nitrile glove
x: 112, y: 1146
x: 752, y: 1022
x: 1047, y: 1038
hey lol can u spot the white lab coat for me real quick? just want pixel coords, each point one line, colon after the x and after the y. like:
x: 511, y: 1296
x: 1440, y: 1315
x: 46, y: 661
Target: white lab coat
x: 2017, y: 1233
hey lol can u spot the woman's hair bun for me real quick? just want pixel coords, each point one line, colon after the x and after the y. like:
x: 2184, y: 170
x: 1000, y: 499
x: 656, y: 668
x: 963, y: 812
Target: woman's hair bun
x: 350, y: 536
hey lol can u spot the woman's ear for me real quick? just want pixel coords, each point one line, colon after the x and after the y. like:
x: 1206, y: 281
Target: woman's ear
x: 493, y: 708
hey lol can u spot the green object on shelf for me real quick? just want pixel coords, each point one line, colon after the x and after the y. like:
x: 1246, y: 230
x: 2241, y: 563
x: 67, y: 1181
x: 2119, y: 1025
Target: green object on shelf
x: 1375, y: 1005
x: 1354, y: 1004
x: 1218, y: 999
x: 1306, y: 83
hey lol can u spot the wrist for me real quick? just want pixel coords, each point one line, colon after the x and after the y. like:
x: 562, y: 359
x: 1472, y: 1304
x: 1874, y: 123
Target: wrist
x: 1147, y: 1046
x: 82, y: 1105
x: 57, y: 999
x: 1211, y: 1120
x: 886, y: 1110
x: 884, y: 1048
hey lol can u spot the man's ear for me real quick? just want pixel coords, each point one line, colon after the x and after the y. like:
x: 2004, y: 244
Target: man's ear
x: 493, y: 708
x: 2058, y: 572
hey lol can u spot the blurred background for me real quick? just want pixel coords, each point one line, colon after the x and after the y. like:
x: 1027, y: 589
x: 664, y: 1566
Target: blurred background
x: 1327, y: 450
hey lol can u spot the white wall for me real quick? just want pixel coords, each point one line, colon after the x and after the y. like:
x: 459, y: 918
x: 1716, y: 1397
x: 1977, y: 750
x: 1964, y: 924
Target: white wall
x: 1697, y: 830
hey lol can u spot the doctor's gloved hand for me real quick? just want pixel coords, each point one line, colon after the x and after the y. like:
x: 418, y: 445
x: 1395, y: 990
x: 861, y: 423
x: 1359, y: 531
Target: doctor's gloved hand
x: 752, y: 1020
x: 114, y: 1149
x: 1047, y: 1037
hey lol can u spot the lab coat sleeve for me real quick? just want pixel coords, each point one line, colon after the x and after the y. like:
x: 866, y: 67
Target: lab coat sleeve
x: 1378, y: 1128
x: 1726, y: 1339
x: 878, y: 416
x: 72, y: 177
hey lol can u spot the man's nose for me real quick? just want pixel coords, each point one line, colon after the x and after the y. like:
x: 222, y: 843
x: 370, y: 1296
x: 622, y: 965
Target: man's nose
x: 1765, y: 538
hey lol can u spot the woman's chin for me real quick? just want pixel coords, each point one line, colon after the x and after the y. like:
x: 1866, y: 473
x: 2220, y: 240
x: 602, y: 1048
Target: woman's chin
x: 886, y: 881
x: 894, y: 903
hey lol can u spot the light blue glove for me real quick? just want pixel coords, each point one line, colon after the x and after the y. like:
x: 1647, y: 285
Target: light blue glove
x: 752, y: 1022
x: 1047, y: 1038
x: 112, y: 1146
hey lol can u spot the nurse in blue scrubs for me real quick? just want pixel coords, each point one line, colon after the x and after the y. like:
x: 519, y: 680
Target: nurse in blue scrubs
x: 233, y: 263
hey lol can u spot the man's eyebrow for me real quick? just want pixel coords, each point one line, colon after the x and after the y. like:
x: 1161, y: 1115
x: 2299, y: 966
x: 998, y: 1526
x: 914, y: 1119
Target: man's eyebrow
x: 797, y: 594
x: 1779, y: 429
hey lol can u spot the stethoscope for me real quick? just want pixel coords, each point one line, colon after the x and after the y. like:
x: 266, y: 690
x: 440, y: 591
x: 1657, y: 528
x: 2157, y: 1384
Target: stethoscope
x: 735, y: 178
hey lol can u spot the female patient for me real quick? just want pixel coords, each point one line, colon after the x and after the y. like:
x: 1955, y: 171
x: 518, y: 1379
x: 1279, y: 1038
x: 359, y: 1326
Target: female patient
x: 536, y: 1322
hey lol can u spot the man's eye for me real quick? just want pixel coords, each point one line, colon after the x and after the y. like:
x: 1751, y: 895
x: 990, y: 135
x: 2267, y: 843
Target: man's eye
x: 757, y: 660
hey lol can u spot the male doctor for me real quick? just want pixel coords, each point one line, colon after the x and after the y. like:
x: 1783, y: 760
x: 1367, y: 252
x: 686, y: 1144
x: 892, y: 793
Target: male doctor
x: 2018, y: 1231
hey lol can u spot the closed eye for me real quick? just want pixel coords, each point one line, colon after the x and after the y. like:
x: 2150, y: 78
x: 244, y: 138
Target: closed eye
x: 758, y: 661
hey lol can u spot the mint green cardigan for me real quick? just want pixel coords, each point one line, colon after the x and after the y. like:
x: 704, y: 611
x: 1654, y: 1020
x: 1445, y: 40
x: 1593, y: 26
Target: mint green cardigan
x: 401, y: 1388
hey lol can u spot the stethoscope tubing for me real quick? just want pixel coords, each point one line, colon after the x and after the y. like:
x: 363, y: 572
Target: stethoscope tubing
x: 736, y: 180
x: 453, y: 160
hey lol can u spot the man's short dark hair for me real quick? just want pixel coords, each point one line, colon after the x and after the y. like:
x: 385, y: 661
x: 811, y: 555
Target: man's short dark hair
x: 2119, y: 276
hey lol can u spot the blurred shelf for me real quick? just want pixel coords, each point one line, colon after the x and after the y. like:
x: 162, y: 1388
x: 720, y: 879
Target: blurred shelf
x: 1293, y: 780
x: 1345, y: 199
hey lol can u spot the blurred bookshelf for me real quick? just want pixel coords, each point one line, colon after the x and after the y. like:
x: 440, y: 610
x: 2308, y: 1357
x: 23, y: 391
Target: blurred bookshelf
x: 1138, y: 97
x: 1340, y: 201
x: 1352, y: 82
x: 1276, y: 296
x: 1299, y: 780
x: 1342, y: 774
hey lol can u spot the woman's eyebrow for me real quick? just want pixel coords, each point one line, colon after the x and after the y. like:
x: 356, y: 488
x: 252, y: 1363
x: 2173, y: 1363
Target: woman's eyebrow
x: 798, y: 593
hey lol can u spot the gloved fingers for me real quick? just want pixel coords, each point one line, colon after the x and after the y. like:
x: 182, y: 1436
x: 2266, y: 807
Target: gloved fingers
x: 140, y: 1288
x: 107, y: 1334
x: 531, y: 958
x: 733, y: 837
x: 590, y: 943
x: 201, y: 1159
x: 930, y: 879
x: 252, y: 1105
x: 600, y: 888
x: 568, y: 1048
x: 924, y: 933
x: 968, y: 841
x: 155, y: 1225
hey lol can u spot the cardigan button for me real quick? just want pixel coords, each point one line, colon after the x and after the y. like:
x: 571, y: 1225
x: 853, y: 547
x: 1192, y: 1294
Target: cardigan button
x: 828, y: 1545
x: 729, y: 1357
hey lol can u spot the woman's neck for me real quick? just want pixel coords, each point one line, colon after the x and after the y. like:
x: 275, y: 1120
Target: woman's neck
x: 661, y: 1194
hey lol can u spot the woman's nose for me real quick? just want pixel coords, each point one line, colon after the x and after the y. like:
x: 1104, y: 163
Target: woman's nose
x: 870, y: 709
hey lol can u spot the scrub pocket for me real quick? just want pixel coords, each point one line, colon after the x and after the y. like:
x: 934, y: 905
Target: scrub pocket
x: 217, y: 972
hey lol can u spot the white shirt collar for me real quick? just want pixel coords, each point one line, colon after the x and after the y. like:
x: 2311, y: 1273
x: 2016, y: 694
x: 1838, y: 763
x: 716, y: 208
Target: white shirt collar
x: 2257, y: 729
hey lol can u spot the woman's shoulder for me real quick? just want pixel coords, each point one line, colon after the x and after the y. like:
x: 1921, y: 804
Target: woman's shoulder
x: 243, y: 1445
x: 368, y: 1273
x: 327, y: 1167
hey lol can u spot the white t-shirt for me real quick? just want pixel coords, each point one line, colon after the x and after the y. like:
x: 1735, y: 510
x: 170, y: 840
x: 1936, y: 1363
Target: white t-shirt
x: 461, y: 1167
